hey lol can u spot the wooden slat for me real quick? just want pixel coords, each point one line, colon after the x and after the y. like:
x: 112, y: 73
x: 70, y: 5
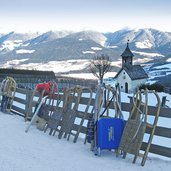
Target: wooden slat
x: 84, y: 101
x: 17, y: 113
x: 22, y: 91
x: 19, y: 100
x: 156, y: 149
x: 164, y: 112
x: 83, y: 128
x: 160, y: 131
x: 126, y: 107
x: 19, y: 110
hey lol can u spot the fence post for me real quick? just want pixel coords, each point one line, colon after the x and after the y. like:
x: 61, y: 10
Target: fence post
x: 28, y: 105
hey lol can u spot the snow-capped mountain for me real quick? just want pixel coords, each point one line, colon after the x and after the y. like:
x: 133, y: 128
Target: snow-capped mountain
x: 147, y: 45
x: 12, y: 40
x: 46, y: 37
x: 141, y: 38
x: 90, y: 35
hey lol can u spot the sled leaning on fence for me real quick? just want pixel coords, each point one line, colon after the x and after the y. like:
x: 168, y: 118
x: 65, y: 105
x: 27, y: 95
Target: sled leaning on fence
x: 72, y: 112
x: 55, y: 118
x: 136, y: 125
x: 104, y: 129
x: 47, y: 89
x: 8, y: 89
x: 43, y: 106
x: 64, y: 118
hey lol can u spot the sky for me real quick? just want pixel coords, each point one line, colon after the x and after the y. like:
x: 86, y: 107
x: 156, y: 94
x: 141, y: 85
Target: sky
x: 77, y: 15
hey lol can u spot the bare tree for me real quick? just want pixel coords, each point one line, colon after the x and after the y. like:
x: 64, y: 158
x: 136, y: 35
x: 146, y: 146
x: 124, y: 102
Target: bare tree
x: 100, y: 65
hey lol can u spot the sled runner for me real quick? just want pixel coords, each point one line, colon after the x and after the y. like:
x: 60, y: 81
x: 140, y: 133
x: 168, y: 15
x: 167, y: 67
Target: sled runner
x: 8, y: 89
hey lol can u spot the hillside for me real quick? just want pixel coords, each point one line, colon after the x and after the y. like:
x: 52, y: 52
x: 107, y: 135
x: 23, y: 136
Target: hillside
x: 32, y: 49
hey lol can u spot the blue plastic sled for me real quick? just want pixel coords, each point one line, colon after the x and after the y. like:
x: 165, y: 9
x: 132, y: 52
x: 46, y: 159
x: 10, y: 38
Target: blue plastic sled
x: 109, y: 132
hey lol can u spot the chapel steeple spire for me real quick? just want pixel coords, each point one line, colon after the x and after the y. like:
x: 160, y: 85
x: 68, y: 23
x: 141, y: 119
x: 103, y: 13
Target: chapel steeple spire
x: 127, y: 57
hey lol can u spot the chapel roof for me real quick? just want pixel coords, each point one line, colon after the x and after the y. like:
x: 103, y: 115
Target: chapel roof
x: 135, y: 72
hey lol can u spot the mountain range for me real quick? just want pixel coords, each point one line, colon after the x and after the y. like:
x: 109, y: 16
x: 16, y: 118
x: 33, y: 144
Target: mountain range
x: 147, y: 45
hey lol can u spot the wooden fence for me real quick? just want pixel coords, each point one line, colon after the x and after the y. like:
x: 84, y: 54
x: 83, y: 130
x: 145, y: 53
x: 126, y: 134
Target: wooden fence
x: 23, y: 97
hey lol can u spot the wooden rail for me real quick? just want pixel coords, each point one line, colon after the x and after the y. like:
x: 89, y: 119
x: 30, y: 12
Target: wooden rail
x: 161, y: 131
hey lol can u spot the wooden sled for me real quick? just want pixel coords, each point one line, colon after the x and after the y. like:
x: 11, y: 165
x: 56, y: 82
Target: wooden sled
x: 8, y: 89
x: 44, y: 104
x: 64, y: 118
x: 136, y: 125
x: 106, y: 96
x: 36, y: 98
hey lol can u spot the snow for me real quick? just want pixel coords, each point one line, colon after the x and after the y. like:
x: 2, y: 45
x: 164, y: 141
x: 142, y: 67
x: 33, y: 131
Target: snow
x: 112, y: 47
x: 160, y: 71
x: 11, y: 45
x: 143, y: 45
x: 15, y: 62
x: 23, y: 51
x: 150, y: 82
x: 168, y: 60
x: 36, y: 150
x: 96, y: 48
x: 163, y: 66
x: 87, y: 52
x: 18, y: 41
x: 148, y: 54
x: 89, y: 75
x: 25, y: 45
x: 56, y: 66
x: 101, y: 40
x: 143, y: 60
x: 59, y: 66
x: 116, y: 63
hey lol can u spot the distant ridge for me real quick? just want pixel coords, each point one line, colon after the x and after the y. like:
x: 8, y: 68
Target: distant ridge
x: 147, y: 45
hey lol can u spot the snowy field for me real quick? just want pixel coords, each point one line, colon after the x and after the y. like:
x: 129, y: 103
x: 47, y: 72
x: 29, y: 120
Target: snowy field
x: 59, y: 66
x: 37, y: 151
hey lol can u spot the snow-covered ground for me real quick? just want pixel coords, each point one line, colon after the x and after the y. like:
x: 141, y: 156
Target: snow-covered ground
x: 159, y: 71
x: 35, y: 150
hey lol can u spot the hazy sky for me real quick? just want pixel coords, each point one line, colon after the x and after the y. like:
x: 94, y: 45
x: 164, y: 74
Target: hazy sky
x: 99, y: 15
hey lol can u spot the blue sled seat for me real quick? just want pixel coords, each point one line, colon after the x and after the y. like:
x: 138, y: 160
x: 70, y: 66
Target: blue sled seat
x: 109, y: 133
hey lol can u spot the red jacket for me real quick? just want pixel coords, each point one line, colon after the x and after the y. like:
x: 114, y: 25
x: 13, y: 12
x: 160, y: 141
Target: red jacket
x: 43, y: 86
